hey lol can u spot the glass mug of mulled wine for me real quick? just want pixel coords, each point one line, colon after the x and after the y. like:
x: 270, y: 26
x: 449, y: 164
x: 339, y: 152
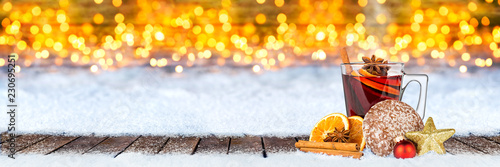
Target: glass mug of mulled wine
x: 366, y: 84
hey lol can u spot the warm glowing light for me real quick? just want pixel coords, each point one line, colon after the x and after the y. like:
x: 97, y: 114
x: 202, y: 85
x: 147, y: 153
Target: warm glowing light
x: 320, y: 36
x: 472, y: 6
x: 209, y: 28
x: 432, y: 28
x: 445, y: 29
x: 360, y: 18
x: 7, y: 6
x: 159, y: 36
x: 381, y: 19
x: 260, y: 18
x: 463, y: 68
x: 485, y: 21
x: 93, y: 68
x: 418, y: 18
x: 98, y: 1
x: 198, y: 11
x: 261, y: 1
x: 279, y: 3
x: 47, y: 28
x: 381, y: 1
x: 443, y: 11
x: 119, y: 18
x: 61, y: 18
x: 421, y: 46
x: 362, y: 3
x: 415, y: 27
x: 466, y: 56
x: 34, y: 29
x: 256, y: 68
x: 64, y: 27
x: 458, y: 45
x: 21, y: 45
x: 36, y: 11
x: 281, y: 18
x: 117, y: 3
x: 98, y: 18
x: 488, y: 62
x: 179, y: 69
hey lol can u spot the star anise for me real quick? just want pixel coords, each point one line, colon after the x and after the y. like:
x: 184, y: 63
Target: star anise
x: 338, y: 136
x: 373, y: 66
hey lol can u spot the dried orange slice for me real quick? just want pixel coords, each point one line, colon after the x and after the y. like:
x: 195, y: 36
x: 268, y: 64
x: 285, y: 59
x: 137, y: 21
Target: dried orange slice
x: 365, y: 73
x: 327, y: 125
x: 356, y: 131
x: 355, y: 73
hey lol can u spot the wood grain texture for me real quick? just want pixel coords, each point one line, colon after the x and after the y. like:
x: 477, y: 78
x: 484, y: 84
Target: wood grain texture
x: 180, y: 145
x: 213, y: 145
x: 245, y: 145
x: 48, y: 145
x: 279, y: 145
x: 80, y: 145
x: 455, y: 147
x: 24, y: 141
x: 113, y: 145
x: 482, y: 144
x: 148, y: 145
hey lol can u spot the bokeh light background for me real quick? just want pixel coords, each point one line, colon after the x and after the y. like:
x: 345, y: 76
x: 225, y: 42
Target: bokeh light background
x: 259, y: 35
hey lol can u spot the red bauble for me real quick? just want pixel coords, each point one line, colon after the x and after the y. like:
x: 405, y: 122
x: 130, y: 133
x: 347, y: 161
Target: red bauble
x: 404, y: 149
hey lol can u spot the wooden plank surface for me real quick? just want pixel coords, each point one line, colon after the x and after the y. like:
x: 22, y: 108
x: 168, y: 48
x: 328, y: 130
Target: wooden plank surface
x: 494, y: 138
x: 482, y: 144
x: 113, y: 145
x: 455, y: 147
x: 80, y: 145
x: 180, y: 145
x: 48, y: 145
x: 24, y: 141
x: 213, y: 145
x: 279, y: 145
x: 148, y: 145
x: 6, y: 136
x: 246, y: 145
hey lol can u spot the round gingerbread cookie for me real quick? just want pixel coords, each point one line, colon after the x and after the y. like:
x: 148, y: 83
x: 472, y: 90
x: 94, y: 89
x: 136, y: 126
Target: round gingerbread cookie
x: 387, y: 120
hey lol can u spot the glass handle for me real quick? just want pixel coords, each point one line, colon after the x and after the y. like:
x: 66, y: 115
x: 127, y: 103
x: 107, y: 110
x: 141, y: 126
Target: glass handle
x: 422, y: 80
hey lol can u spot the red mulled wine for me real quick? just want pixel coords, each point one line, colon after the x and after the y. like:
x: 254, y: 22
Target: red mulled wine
x: 362, y: 92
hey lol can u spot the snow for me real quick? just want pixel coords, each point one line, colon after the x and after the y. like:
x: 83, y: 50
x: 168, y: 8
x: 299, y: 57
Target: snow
x: 228, y: 101
x: 292, y: 159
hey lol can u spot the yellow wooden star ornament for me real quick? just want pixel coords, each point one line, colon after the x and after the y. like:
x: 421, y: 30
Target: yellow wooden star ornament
x: 430, y: 138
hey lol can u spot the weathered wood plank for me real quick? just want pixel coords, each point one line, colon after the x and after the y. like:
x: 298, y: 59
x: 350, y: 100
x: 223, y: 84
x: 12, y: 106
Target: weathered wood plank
x: 6, y: 136
x: 495, y: 138
x: 213, y: 145
x: 455, y: 147
x: 48, y: 145
x: 481, y: 143
x: 180, y: 145
x: 80, y: 145
x: 113, y: 145
x: 246, y: 145
x: 279, y: 145
x: 24, y: 141
x: 147, y: 145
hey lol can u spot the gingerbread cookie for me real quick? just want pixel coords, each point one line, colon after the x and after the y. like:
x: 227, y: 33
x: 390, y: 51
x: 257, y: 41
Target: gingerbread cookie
x: 387, y: 120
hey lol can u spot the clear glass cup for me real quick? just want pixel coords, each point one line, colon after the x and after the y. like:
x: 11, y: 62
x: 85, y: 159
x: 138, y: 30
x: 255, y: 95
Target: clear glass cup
x: 362, y: 90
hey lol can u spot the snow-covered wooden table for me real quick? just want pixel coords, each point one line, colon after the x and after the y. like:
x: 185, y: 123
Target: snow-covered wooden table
x: 264, y: 145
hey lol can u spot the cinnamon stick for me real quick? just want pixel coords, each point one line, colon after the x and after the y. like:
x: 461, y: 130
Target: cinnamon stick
x: 345, y: 60
x: 352, y: 154
x: 328, y: 145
